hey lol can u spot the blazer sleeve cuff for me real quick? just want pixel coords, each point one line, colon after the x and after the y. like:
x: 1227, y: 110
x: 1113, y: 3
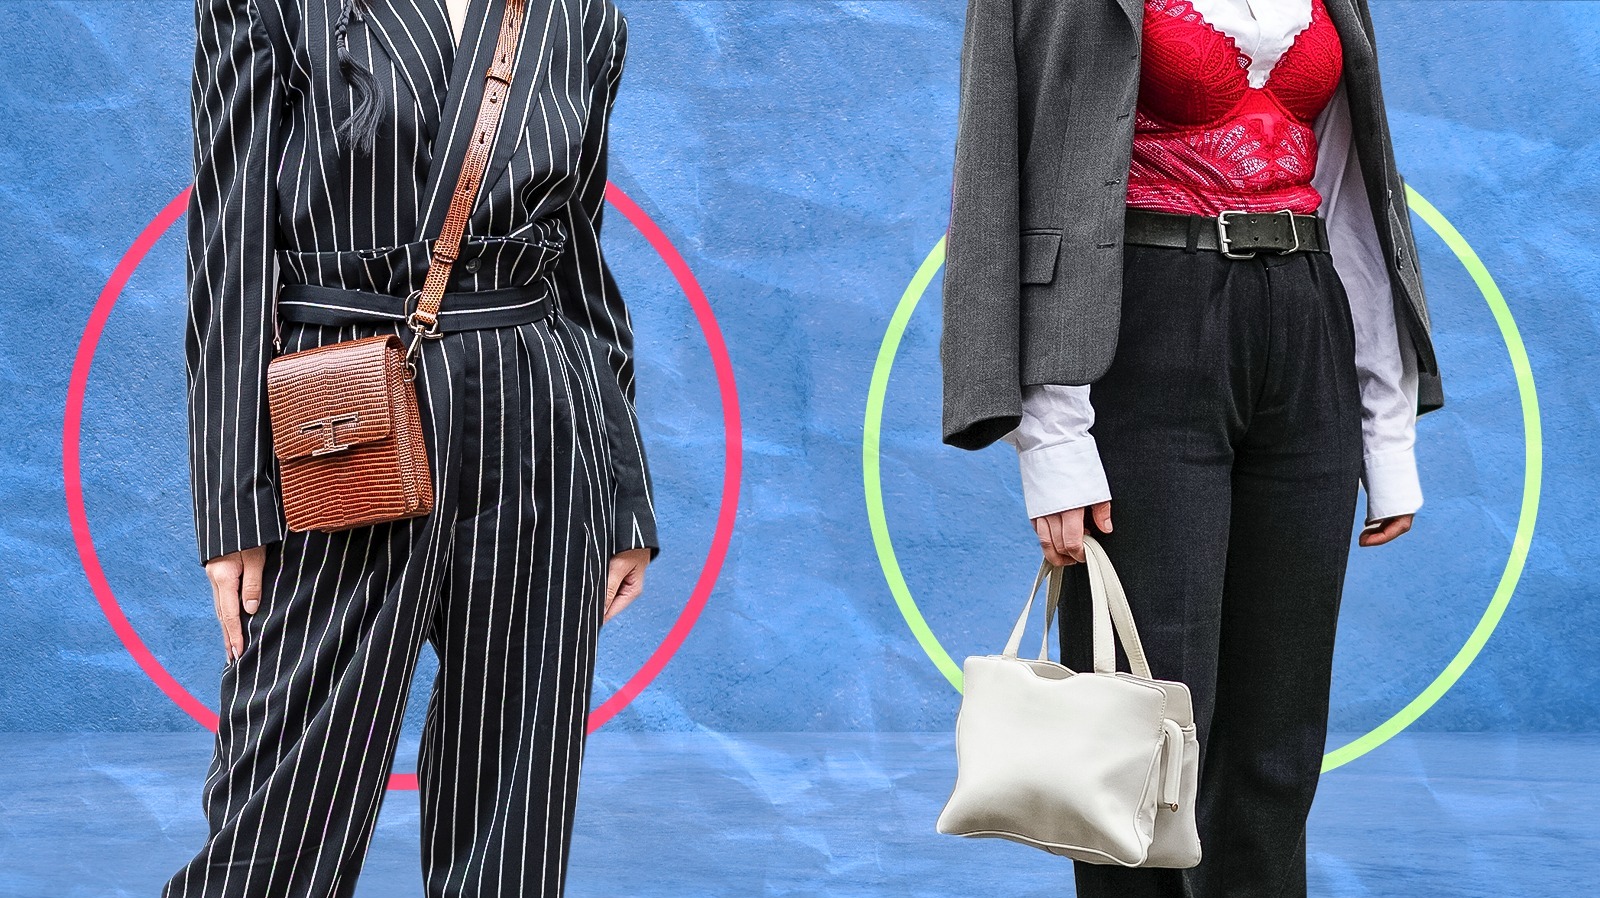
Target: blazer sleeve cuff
x: 635, y: 526
x: 255, y: 520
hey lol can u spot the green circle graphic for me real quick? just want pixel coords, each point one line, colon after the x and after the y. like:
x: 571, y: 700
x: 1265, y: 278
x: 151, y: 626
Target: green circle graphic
x: 1532, y: 472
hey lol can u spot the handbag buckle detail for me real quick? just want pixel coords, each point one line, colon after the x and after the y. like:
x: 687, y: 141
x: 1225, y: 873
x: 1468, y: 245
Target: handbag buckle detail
x: 328, y: 426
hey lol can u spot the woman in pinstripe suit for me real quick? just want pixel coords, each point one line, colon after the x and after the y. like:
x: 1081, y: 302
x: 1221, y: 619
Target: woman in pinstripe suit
x: 327, y: 145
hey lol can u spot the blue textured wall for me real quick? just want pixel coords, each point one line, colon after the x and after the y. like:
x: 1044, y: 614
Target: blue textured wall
x: 798, y: 156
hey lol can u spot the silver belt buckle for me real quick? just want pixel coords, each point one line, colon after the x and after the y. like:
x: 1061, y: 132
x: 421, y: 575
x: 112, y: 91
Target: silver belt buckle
x: 1223, y: 242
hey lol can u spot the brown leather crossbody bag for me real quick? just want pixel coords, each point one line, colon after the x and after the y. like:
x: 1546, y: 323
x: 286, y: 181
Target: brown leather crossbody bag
x: 346, y: 428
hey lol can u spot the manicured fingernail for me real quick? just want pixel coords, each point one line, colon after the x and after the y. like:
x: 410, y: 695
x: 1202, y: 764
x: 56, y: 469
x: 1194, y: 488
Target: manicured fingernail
x: 250, y: 607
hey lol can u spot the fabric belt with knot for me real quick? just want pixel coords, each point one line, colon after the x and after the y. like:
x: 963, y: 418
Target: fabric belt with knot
x: 1235, y: 234
x: 461, y: 311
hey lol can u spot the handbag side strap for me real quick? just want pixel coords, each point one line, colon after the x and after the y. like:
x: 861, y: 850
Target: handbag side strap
x: 424, y: 317
x: 1015, y: 642
x: 1052, y: 592
x: 1104, y: 581
x: 1110, y: 613
x: 1105, y: 651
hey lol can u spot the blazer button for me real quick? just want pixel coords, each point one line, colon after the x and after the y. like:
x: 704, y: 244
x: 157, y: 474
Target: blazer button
x: 472, y: 264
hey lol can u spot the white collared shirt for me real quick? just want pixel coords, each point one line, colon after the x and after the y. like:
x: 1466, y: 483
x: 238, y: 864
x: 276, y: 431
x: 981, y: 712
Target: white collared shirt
x: 1060, y: 463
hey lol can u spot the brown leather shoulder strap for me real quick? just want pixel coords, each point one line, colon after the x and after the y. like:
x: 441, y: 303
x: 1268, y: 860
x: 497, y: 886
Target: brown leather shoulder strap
x: 424, y: 317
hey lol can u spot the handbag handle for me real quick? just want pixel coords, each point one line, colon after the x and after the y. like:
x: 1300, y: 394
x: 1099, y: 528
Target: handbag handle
x: 1110, y: 613
x: 424, y: 317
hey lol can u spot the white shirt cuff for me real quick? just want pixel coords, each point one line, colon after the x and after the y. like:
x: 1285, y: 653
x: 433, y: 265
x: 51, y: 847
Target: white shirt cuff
x: 1393, y: 487
x: 1062, y: 476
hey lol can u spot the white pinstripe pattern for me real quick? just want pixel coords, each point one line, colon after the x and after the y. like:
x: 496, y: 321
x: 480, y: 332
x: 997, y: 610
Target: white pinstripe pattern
x: 505, y: 580
x: 275, y: 200
x: 539, y: 469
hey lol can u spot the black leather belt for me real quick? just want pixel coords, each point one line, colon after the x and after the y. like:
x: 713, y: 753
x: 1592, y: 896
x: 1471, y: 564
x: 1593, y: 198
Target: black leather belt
x: 465, y: 311
x: 1237, y: 235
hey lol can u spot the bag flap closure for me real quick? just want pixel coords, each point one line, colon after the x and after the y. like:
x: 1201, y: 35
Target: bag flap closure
x: 330, y: 398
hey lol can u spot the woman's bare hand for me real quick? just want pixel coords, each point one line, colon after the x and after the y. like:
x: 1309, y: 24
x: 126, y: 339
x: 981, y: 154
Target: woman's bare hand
x: 1061, y: 534
x: 235, y: 585
x: 625, y: 579
x: 1383, y: 530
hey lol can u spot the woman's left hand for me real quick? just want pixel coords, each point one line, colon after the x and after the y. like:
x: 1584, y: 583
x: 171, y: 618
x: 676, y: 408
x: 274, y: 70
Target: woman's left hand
x: 625, y: 579
x: 1383, y: 530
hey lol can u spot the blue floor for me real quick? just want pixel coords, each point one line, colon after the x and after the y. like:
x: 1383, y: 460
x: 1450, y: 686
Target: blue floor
x: 771, y: 814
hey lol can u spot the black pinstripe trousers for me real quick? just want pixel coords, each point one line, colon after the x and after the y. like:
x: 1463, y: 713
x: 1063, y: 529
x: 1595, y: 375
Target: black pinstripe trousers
x: 1229, y: 425
x: 505, y: 579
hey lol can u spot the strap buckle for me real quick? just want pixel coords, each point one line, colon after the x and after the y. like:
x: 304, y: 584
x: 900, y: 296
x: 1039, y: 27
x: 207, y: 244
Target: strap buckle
x: 1224, y: 243
x: 420, y: 330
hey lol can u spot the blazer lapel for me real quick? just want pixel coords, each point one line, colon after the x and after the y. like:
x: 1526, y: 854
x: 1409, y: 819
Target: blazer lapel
x: 1360, y: 73
x: 1358, y: 52
x: 1362, y: 93
x: 1134, y: 9
x: 416, y: 35
x: 460, y: 109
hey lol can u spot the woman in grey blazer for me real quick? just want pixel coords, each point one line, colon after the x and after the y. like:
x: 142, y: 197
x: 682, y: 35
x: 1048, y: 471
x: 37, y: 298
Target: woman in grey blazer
x: 328, y: 140
x: 1181, y: 281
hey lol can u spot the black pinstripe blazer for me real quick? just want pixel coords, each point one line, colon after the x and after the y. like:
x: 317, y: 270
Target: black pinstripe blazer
x: 276, y: 200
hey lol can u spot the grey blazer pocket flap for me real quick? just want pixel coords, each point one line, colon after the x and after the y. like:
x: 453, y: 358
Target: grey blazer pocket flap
x: 1039, y: 251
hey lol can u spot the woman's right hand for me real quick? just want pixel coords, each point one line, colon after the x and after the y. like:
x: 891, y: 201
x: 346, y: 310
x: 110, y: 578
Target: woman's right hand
x: 235, y: 585
x: 1061, y: 534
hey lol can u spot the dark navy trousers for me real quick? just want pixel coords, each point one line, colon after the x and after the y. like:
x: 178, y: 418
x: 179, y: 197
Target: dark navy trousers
x: 1229, y: 426
x: 505, y: 580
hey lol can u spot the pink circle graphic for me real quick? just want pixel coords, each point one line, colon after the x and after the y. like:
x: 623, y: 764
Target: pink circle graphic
x: 72, y: 471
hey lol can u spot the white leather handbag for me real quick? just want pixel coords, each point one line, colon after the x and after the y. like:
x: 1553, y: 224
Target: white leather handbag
x: 1097, y: 766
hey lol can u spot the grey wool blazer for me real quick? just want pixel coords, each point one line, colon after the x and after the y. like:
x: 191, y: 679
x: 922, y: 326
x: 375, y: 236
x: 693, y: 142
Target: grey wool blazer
x: 1033, y: 271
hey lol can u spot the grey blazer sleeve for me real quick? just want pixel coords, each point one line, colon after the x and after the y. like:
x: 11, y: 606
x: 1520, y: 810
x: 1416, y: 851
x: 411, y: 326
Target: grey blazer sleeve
x: 590, y: 300
x: 231, y: 278
x: 979, y: 348
x: 1430, y: 385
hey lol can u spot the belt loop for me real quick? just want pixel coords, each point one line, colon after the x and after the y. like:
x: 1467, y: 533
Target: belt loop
x: 1193, y: 243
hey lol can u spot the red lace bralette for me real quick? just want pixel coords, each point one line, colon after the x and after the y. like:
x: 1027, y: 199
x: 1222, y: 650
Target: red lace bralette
x: 1204, y: 139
